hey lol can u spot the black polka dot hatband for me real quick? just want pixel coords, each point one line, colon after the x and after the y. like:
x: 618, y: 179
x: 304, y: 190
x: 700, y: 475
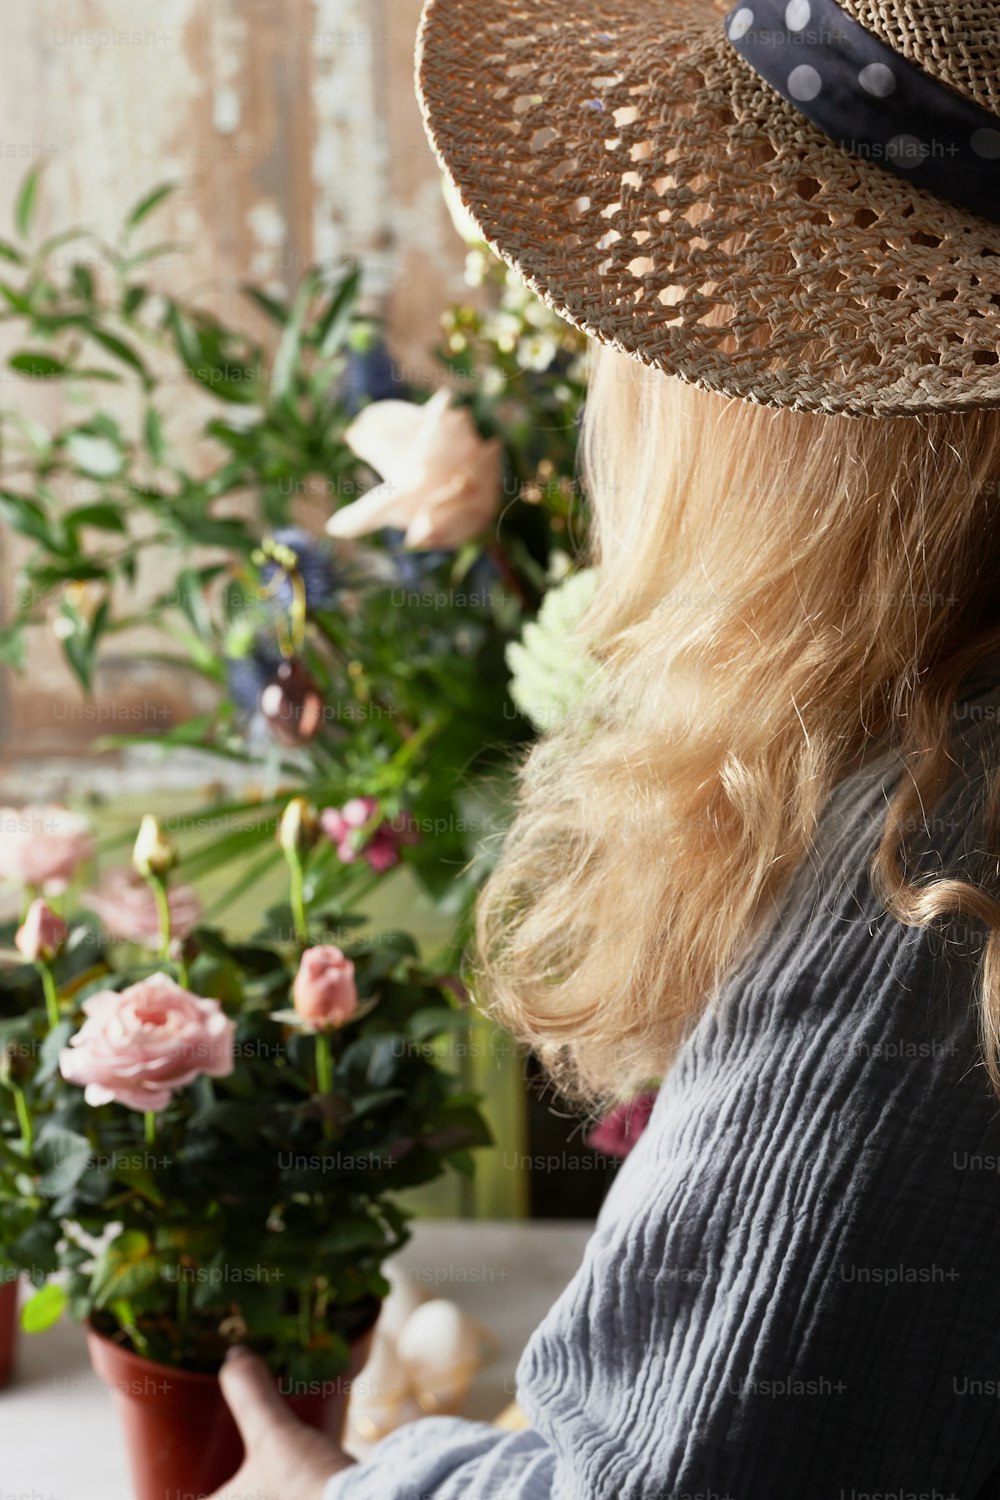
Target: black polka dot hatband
x: 871, y: 99
x: 789, y: 201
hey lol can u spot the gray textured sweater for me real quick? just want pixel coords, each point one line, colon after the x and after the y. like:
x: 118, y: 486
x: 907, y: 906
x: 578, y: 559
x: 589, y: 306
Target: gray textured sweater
x: 793, y: 1290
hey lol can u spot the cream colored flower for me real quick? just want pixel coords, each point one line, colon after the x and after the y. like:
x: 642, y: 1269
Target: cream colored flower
x: 441, y: 480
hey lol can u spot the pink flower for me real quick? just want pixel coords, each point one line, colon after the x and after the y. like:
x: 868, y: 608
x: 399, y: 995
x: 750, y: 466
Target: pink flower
x: 618, y: 1132
x: 42, y: 933
x: 324, y: 991
x: 380, y: 848
x: 43, y: 845
x: 142, y: 1045
x: 126, y: 907
x: 441, y: 479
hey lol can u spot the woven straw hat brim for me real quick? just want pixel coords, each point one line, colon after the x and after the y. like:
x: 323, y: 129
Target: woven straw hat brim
x: 650, y: 187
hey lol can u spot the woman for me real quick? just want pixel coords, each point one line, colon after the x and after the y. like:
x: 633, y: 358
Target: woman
x: 762, y: 861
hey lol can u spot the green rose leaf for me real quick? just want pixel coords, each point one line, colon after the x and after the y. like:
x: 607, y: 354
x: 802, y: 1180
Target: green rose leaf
x: 127, y: 1267
x: 63, y: 1157
x: 44, y: 1308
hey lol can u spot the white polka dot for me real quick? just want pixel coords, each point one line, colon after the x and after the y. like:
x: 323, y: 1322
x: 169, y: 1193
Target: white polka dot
x: 804, y: 82
x: 797, y: 13
x: 877, y: 79
x: 741, y: 23
x: 986, y: 143
x: 905, y: 151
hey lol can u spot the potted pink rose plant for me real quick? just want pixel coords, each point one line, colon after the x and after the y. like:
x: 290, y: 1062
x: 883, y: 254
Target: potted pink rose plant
x: 208, y: 1144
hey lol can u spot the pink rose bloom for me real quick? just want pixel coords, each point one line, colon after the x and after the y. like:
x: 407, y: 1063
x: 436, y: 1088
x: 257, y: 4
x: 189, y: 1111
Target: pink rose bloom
x: 381, y: 848
x: 43, y: 845
x: 324, y: 991
x: 618, y: 1132
x: 441, y: 480
x: 139, y: 1047
x: 42, y: 933
x: 126, y: 908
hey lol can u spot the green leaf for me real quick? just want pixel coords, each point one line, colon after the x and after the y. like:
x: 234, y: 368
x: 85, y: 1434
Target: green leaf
x: 80, y: 647
x: 16, y: 299
x: 48, y: 1056
x: 336, y: 319
x: 13, y: 647
x: 278, y: 311
x: 424, y: 1025
x: 152, y: 200
x: 94, y: 455
x: 34, y: 1250
x: 24, y: 208
x: 44, y: 1309
x: 63, y: 1157
x: 27, y: 518
x: 9, y: 253
x: 37, y: 365
x: 189, y: 591
x: 82, y: 281
x: 127, y: 1266
x: 153, y: 433
x: 102, y: 515
x: 133, y: 299
x: 118, y: 347
x: 286, y: 357
x: 352, y: 1232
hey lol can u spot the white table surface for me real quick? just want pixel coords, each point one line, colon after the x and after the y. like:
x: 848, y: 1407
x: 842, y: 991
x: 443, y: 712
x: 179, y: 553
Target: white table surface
x: 59, y: 1438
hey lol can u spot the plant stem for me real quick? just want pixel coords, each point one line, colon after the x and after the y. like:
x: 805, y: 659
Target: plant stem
x: 51, y: 994
x: 23, y: 1119
x: 305, y: 1330
x: 324, y: 1076
x: 149, y: 1127
x: 183, y: 1291
x: 298, y: 898
x: 159, y: 887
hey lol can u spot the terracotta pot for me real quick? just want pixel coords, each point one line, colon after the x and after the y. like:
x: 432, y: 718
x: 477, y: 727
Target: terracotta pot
x: 180, y: 1436
x: 8, y: 1328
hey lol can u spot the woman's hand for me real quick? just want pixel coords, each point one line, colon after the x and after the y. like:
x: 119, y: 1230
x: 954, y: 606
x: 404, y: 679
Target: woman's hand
x: 285, y: 1460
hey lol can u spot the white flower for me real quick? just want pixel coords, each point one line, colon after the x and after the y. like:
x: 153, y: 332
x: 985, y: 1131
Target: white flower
x: 536, y: 352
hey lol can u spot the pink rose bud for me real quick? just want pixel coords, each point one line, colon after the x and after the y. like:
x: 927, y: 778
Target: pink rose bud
x: 324, y: 991
x: 142, y: 1045
x: 42, y: 934
x: 619, y: 1131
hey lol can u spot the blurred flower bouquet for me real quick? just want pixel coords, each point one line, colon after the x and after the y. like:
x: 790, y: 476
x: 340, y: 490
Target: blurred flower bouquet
x: 338, y: 579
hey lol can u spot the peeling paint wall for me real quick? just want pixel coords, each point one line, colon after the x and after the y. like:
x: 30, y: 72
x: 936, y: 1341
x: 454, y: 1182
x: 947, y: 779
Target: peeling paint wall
x: 294, y: 128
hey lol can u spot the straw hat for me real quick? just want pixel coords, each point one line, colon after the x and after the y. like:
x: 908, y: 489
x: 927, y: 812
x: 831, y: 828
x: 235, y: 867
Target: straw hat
x: 643, y: 177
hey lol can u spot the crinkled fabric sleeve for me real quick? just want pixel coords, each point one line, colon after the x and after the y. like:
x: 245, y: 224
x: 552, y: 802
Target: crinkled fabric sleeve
x: 445, y: 1458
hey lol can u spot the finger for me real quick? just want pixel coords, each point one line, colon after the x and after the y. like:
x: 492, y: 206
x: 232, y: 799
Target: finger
x: 252, y: 1397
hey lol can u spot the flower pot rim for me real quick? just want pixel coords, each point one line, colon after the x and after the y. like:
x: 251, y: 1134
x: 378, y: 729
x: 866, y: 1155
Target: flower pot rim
x: 194, y: 1376
x: 120, y: 1351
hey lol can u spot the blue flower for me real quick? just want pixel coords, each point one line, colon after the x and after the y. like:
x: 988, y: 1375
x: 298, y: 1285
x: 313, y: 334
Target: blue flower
x: 412, y: 565
x: 372, y: 375
x: 248, y: 676
x: 312, y: 561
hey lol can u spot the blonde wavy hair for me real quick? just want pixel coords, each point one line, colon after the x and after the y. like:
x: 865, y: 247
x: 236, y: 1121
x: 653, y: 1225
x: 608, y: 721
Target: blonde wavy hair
x: 781, y: 595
